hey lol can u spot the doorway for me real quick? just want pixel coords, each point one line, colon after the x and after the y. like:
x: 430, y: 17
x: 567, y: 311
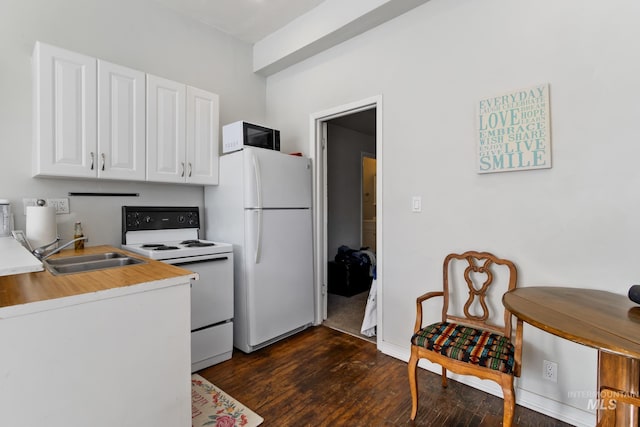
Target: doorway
x: 341, y: 140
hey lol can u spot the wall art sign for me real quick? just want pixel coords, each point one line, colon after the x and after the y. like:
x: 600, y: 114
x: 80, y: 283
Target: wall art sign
x: 514, y: 131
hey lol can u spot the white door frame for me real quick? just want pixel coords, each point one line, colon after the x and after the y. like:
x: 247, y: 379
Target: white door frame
x: 317, y: 138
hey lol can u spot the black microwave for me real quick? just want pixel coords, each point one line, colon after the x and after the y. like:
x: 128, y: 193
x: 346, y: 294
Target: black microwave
x: 237, y: 135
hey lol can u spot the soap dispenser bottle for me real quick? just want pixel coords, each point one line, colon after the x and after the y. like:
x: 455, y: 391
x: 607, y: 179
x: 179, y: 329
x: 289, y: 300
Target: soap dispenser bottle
x: 77, y: 233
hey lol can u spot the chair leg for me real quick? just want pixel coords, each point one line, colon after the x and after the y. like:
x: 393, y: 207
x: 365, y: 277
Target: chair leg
x: 509, y: 397
x: 413, y: 383
x: 444, y: 377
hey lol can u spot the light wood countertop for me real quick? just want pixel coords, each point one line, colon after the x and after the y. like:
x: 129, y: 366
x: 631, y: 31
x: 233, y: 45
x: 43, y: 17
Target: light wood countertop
x: 43, y: 290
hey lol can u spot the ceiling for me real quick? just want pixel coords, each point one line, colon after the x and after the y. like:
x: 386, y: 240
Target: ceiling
x: 247, y: 20
x: 253, y: 20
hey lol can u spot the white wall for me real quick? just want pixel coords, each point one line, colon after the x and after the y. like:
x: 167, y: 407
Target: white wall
x: 572, y: 225
x: 344, y: 150
x: 139, y: 34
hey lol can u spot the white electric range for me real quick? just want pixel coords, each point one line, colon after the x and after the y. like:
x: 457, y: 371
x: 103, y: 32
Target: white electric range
x: 171, y: 235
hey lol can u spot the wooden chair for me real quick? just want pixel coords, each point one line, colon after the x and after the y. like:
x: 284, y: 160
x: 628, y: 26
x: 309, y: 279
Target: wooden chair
x: 471, y: 344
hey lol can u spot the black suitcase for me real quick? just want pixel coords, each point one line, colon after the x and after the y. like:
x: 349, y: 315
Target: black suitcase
x: 348, y: 279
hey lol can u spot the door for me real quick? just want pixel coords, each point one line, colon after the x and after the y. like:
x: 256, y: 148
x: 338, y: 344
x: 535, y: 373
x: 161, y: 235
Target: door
x: 212, y: 293
x: 368, y: 201
x: 276, y: 180
x: 279, y: 272
x: 121, y: 122
x: 65, y: 112
x: 202, y: 136
x: 165, y: 130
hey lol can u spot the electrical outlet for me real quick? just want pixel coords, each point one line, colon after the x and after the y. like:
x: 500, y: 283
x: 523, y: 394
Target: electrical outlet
x: 61, y: 205
x: 550, y: 371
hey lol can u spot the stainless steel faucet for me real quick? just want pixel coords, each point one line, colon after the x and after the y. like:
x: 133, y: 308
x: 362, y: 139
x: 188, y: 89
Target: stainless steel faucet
x: 42, y: 253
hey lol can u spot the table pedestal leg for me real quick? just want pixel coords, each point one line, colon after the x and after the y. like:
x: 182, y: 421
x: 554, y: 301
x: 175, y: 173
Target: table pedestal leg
x: 620, y: 373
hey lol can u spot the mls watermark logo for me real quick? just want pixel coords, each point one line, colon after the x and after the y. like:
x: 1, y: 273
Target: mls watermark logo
x: 604, y: 400
x: 601, y: 404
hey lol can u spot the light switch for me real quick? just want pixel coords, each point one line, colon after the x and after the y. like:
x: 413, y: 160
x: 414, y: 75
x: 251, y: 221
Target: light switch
x: 416, y: 204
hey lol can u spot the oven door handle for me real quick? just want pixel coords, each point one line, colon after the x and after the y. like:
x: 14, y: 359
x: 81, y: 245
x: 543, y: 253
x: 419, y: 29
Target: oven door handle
x: 259, y: 235
x: 195, y: 259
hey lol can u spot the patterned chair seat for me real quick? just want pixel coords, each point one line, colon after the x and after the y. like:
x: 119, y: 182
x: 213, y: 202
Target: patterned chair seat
x: 467, y: 344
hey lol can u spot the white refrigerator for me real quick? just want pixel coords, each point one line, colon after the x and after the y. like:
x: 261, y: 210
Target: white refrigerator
x: 262, y: 206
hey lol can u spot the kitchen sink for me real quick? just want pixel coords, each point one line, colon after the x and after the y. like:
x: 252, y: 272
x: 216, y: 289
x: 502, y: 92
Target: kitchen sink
x: 87, y: 263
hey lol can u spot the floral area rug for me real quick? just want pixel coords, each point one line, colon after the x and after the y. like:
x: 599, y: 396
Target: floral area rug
x: 211, y: 406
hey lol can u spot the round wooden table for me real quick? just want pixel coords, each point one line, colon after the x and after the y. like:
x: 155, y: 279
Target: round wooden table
x: 603, y: 320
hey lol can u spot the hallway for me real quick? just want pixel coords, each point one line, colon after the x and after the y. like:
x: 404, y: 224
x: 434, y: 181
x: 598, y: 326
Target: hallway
x: 345, y: 314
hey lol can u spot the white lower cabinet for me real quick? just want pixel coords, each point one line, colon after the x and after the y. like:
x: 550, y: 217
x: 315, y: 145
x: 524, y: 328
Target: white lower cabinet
x: 182, y: 133
x: 118, y: 357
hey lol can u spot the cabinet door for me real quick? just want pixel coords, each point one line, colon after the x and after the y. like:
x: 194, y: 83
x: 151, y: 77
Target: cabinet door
x: 65, y: 113
x: 202, y: 136
x: 121, y: 122
x: 165, y: 130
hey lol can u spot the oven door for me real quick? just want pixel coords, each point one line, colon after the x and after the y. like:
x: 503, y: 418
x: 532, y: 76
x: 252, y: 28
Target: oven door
x: 212, y: 293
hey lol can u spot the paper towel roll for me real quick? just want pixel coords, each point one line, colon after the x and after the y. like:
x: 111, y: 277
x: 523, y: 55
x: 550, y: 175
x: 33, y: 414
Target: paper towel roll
x: 41, y: 225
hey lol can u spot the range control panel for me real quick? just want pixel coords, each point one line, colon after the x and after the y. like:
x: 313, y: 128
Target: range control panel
x: 137, y: 218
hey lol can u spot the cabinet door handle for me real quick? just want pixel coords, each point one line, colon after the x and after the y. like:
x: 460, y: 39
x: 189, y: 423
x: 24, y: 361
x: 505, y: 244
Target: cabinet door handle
x: 92, y: 160
x: 182, y: 166
x: 190, y: 169
x: 103, y: 160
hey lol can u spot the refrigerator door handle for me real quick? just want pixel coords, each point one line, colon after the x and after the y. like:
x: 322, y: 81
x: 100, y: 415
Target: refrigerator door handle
x: 259, y: 235
x: 258, y: 177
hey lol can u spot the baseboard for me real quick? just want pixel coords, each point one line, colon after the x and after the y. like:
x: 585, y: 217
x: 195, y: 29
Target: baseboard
x: 527, y: 399
x: 555, y: 409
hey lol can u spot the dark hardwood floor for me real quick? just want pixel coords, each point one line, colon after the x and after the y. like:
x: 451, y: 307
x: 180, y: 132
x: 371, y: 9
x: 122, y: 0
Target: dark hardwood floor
x: 322, y: 377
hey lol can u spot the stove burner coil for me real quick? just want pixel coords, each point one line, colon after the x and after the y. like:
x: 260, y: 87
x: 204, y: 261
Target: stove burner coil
x: 196, y: 244
x: 165, y: 248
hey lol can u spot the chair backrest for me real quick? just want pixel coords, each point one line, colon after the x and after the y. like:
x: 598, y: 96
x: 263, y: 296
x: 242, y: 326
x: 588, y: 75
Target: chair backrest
x: 484, y: 274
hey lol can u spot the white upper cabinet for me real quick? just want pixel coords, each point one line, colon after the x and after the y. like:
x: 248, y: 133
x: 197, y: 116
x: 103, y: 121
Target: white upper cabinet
x: 89, y: 117
x: 64, y: 113
x: 95, y: 119
x: 165, y: 130
x: 203, y: 114
x: 121, y: 122
x: 182, y: 133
